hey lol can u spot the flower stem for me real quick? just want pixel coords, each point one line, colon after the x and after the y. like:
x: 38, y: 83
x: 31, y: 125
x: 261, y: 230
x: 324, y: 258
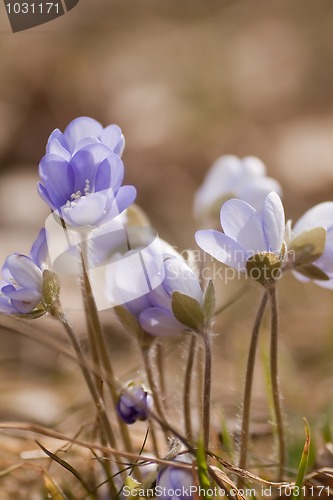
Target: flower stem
x: 108, y: 436
x: 97, y: 338
x: 187, y: 387
x: 244, y: 437
x: 207, y: 387
x: 275, y: 380
x: 152, y: 384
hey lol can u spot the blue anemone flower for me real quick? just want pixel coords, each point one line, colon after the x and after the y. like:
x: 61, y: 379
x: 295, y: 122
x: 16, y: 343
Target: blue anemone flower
x: 81, y: 132
x: 21, y: 287
x: 134, y: 404
x: 85, y: 189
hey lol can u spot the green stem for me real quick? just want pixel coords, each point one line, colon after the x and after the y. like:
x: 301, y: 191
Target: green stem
x: 275, y: 380
x: 105, y: 424
x: 207, y: 387
x: 187, y: 388
x: 244, y: 437
x: 95, y: 329
x: 152, y: 384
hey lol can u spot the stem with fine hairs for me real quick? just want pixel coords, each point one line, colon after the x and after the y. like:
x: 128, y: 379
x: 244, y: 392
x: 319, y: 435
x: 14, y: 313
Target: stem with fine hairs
x: 206, y: 401
x: 275, y: 380
x: 187, y: 387
x: 244, y: 437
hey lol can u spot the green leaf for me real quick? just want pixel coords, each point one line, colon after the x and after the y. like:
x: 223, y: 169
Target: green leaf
x: 298, y: 494
x: 50, y: 288
x: 209, y: 303
x: 129, y: 321
x: 188, y: 311
x: 66, y: 465
x: 313, y: 272
x: 203, y: 471
x: 308, y: 246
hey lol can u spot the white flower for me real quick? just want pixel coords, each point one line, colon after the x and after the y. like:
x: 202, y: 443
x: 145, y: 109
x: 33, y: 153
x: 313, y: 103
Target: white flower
x: 247, y: 232
x: 233, y: 177
x: 319, y: 216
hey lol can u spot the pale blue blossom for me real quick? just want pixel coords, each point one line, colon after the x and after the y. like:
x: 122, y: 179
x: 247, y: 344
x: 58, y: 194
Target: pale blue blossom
x: 21, y: 287
x: 81, y: 132
x: 233, y: 177
x: 320, y: 215
x: 175, y: 483
x: 247, y: 232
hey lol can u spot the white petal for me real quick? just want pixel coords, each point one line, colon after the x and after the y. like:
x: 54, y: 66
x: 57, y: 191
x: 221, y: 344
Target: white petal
x: 255, y: 191
x: 253, y: 167
x: 87, y: 211
x: 223, y: 176
x: 273, y: 220
x: 24, y: 271
x: 318, y: 216
x: 222, y: 248
x: 243, y: 224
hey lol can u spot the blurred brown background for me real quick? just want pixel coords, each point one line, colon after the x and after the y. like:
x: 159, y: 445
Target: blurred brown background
x: 187, y: 81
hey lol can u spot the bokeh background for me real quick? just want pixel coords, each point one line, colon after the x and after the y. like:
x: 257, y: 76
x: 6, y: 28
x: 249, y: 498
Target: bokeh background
x: 187, y: 81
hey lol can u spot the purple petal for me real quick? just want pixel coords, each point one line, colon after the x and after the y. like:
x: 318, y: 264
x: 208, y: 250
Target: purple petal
x: 39, y: 252
x: 45, y: 196
x: 24, y: 271
x: 86, y: 141
x: 87, y: 211
x: 124, y: 198
x: 6, y: 306
x: 22, y: 294
x: 110, y: 174
x: 57, y: 134
x: 273, y: 221
x: 138, y: 305
x: 179, y: 277
x: 25, y: 307
x: 160, y: 322
x: 57, y: 177
x: 79, y: 128
x: 222, y: 248
x: 54, y: 147
x: 113, y: 138
x: 85, y: 164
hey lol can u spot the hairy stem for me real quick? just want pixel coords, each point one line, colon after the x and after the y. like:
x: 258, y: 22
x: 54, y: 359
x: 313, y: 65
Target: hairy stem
x: 206, y: 401
x: 152, y: 384
x: 187, y: 388
x: 96, y: 334
x: 275, y: 381
x: 244, y: 437
x: 107, y: 433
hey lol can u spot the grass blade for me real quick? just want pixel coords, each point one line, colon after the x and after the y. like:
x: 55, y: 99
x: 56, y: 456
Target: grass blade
x: 298, y: 490
x: 66, y: 465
